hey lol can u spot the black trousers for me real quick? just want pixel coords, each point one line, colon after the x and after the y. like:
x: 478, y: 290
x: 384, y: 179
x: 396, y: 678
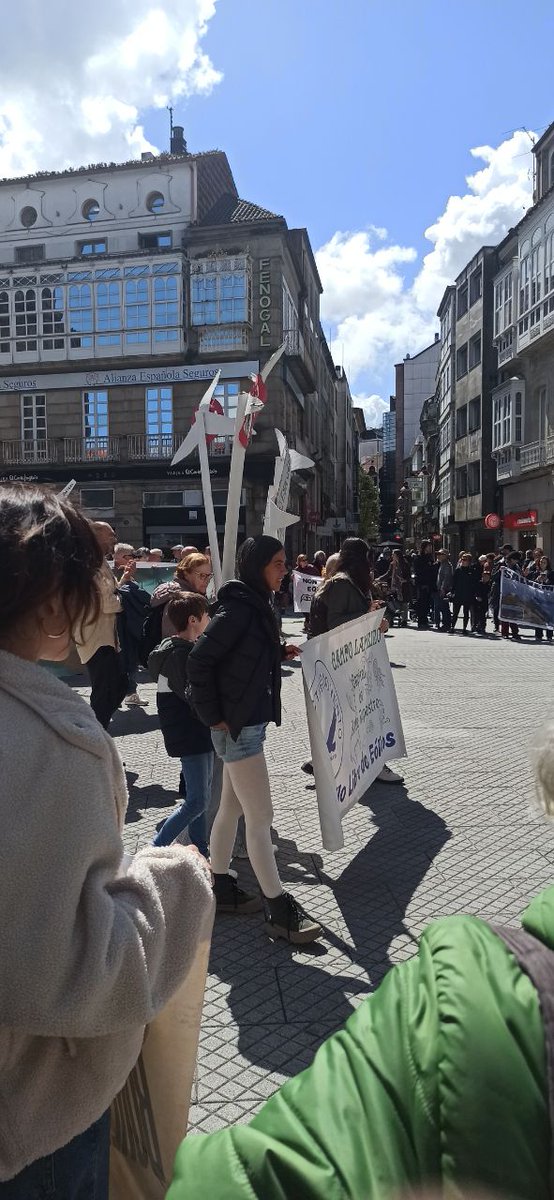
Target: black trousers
x: 467, y: 613
x: 109, y: 682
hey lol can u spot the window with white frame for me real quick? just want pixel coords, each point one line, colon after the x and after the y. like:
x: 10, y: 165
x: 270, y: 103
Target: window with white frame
x: 549, y: 264
x: 137, y: 310
x: 33, y: 426
x: 227, y: 393
x: 444, y: 436
x: 95, y: 419
x: 4, y: 323
x: 159, y: 421
x: 508, y: 291
x: 53, y: 326
x: 80, y: 314
x: 498, y: 307
x: 496, y: 423
x: 535, y: 272
x: 290, y: 313
x: 524, y: 285
x: 220, y: 291
x: 25, y: 306
x: 165, y: 309
x: 108, y: 314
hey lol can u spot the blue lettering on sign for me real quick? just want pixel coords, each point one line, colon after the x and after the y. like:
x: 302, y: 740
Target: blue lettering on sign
x: 372, y: 756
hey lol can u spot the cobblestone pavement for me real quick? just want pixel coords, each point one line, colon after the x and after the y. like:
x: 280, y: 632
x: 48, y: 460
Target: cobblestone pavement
x: 459, y: 836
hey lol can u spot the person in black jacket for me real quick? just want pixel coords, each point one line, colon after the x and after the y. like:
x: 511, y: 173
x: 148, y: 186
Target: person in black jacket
x: 464, y: 590
x: 135, y: 606
x: 425, y: 571
x: 235, y: 675
x: 185, y: 737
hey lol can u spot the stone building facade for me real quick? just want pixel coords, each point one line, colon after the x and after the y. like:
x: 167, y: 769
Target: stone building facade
x: 123, y: 289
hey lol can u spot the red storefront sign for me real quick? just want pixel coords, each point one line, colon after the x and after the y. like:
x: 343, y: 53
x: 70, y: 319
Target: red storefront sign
x: 521, y: 520
x: 493, y: 521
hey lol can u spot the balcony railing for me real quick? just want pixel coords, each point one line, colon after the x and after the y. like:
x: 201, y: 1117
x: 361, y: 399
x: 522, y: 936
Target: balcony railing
x: 294, y: 343
x: 133, y: 448
x: 537, y: 454
x: 91, y: 449
x: 43, y: 450
x: 142, y: 446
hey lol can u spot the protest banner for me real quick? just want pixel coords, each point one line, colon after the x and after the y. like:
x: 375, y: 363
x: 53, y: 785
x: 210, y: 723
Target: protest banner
x: 526, y: 603
x: 304, y: 588
x: 353, y: 717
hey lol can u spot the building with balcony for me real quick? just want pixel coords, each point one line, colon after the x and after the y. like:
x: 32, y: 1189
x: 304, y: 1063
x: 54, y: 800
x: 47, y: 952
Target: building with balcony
x: 445, y: 393
x: 123, y: 289
x: 475, y: 376
x: 523, y: 401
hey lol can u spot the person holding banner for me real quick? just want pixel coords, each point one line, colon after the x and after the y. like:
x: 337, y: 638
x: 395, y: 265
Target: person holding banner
x: 92, y: 947
x: 346, y: 595
x: 235, y: 674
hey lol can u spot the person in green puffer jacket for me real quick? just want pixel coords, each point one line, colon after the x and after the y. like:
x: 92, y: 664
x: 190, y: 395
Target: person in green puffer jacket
x: 438, y: 1080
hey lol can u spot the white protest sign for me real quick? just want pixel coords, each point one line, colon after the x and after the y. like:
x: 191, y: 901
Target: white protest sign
x: 353, y: 717
x: 304, y: 588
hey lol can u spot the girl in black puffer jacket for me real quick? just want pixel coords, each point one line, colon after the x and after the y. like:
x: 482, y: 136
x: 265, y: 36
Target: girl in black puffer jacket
x: 235, y: 675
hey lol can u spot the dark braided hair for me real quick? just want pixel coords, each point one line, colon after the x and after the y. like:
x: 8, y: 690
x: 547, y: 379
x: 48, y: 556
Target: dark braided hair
x: 47, y: 549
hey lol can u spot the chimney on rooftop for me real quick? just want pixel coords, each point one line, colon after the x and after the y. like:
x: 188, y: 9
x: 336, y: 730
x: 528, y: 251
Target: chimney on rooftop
x: 178, y: 144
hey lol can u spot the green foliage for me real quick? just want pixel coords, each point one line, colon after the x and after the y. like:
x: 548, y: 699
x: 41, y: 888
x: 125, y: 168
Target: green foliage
x: 369, y: 506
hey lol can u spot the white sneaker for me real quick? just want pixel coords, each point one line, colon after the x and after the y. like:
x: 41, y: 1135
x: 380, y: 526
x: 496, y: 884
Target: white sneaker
x: 388, y: 776
x: 134, y: 700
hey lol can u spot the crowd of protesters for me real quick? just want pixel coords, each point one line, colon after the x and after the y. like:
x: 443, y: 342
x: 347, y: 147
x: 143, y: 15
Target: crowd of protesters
x: 94, y: 947
x: 431, y: 591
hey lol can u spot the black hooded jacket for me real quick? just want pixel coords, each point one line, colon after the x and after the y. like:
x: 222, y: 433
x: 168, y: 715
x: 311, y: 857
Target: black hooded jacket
x: 235, y: 666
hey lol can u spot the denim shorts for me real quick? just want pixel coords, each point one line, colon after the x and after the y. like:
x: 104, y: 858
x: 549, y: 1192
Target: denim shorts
x: 249, y: 742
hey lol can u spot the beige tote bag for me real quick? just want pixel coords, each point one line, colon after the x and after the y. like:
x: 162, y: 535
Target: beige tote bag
x: 149, y: 1116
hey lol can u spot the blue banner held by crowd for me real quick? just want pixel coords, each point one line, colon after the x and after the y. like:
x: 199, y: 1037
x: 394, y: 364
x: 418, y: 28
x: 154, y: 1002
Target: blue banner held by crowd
x: 525, y: 603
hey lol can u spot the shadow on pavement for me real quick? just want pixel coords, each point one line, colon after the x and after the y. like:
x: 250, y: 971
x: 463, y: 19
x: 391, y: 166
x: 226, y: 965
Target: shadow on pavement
x: 375, y: 889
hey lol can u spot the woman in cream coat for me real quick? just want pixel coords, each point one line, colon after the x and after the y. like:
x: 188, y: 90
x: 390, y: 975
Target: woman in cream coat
x: 88, y: 955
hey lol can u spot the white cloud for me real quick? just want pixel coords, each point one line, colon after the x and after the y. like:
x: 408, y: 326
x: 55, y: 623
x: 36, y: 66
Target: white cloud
x: 377, y: 313
x: 374, y: 406
x: 73, y: 87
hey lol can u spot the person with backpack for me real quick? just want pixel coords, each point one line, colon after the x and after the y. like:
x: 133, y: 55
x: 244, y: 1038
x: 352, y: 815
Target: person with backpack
x: 135, y: 605
x: 184, y: 736
x: 442, y: 1079
x: 235, y: 675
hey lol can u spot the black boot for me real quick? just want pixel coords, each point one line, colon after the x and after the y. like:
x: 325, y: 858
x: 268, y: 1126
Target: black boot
x: 288, y: 920
x: 231, y: 899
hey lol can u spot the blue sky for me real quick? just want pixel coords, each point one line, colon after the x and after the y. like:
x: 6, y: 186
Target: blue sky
x: 355, y: 118
x: 364, y: 112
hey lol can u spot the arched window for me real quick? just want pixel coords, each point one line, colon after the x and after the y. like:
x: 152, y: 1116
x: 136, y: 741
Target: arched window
x: 25, y: 304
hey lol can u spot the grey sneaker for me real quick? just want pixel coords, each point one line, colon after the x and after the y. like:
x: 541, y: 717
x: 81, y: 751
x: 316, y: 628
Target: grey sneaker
x: 134, y: 701
x: 288, y: 920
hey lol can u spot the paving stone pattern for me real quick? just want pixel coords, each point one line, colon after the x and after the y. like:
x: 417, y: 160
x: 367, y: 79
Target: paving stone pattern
x: 459, y: 836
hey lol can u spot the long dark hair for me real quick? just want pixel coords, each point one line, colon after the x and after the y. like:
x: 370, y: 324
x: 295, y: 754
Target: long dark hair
x: 47, y: 548
x: 253, y: 556
x: 354, y: 561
